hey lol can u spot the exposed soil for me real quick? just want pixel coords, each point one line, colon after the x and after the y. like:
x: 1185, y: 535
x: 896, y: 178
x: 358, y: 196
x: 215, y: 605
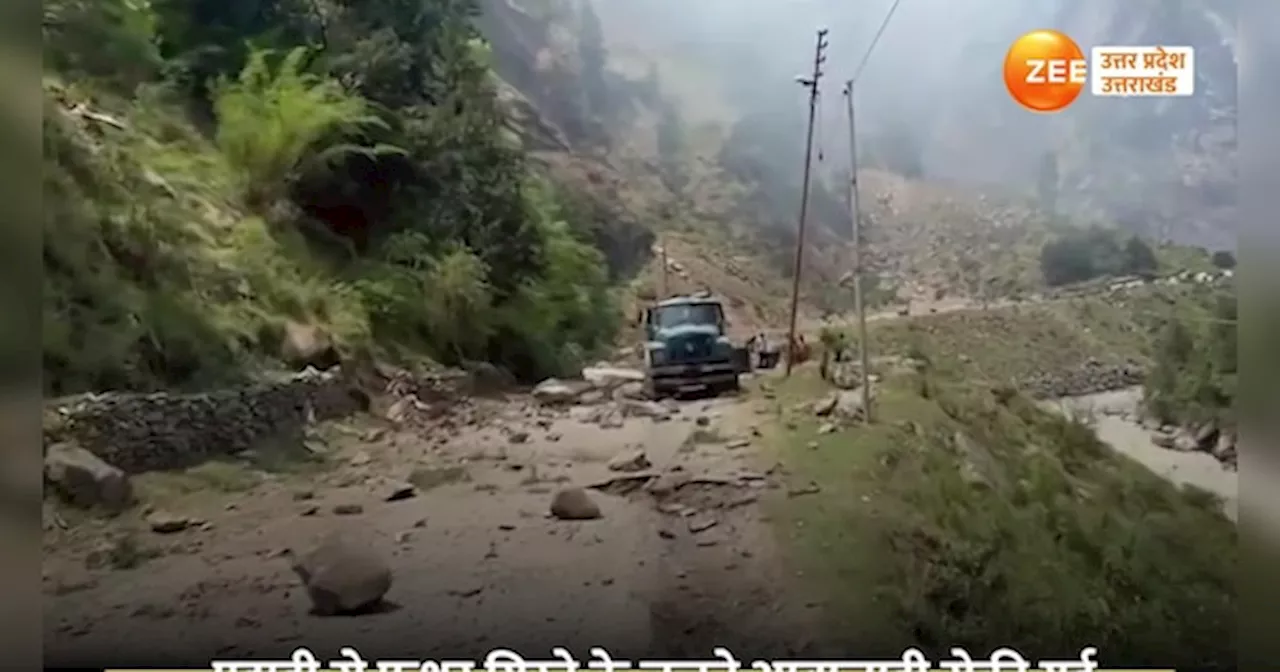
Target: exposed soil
x: 477, y: 561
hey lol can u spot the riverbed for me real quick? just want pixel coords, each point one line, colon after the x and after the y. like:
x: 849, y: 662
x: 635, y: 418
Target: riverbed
x: 1115, y: 418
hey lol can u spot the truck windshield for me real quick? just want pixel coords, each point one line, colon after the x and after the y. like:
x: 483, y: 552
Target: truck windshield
x: 666, y: 317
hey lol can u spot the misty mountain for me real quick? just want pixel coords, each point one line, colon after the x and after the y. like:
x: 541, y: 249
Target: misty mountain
x: 931, y: 99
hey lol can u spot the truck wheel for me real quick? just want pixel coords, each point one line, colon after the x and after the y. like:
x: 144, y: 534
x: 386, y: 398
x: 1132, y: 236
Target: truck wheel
x: 734, y: 386
x: 652, y: 391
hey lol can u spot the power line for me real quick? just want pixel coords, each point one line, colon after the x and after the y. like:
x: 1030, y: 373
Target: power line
x: 884, y: 24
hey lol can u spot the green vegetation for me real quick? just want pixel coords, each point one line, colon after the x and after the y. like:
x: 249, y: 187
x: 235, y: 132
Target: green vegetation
x: 1195, y: 354
x: 215, y: 170
x: 1084, y: 254
x: 968, y: 516
x: 1009, y: 344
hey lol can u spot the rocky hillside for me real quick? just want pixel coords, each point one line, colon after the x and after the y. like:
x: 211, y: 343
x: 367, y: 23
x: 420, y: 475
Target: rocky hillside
x: 977, y: 184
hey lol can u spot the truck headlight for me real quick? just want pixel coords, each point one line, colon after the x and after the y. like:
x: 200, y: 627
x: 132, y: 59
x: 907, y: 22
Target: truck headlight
x: 657, y: 355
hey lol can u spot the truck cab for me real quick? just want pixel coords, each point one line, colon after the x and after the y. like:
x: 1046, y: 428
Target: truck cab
x: 687, y: 347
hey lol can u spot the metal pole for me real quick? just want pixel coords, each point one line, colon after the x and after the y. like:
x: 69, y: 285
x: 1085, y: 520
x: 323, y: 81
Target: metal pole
x: 859, y: 304
x: 812, y: 85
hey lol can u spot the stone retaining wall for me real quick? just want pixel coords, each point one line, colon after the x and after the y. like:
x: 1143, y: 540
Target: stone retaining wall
x: 1091, y: 378
x: 162, y: 430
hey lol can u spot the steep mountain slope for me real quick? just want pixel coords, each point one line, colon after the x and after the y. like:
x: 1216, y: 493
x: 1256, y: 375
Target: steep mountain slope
x: 982, y: 173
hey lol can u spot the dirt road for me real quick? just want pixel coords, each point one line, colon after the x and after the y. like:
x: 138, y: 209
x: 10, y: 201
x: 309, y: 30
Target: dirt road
x: 478, y: 562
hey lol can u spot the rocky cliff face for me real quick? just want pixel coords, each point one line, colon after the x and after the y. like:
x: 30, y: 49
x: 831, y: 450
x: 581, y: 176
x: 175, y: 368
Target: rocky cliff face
x: 567, y: 105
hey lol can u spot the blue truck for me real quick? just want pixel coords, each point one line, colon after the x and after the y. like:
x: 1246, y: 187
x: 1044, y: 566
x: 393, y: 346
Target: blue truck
x: 688, y: 349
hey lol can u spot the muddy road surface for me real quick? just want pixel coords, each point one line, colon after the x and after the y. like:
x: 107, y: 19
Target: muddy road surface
x: 682, y: 558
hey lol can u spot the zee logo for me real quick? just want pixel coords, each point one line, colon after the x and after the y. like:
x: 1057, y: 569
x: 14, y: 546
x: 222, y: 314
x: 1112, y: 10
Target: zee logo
x: 1045, y: 70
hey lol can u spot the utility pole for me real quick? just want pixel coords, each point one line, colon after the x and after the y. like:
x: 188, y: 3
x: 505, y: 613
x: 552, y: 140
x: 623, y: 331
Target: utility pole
x: 855, y: 211
x: 812, y: 84
x: 666, y: 289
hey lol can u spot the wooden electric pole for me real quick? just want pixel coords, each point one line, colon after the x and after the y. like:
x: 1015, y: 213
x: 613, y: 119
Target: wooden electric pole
x: 859, y: 302
x: 812, y: 84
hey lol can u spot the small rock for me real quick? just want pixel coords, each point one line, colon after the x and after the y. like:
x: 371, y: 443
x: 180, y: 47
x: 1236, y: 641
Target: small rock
x: 1207, y: 436
x: 638, y: 408
x: 826, y: 406
x: 737, y: 444
x: 310, y: 511
x: 359, y: 459
x: 574, y: 504
x: 809, y: 489
x: 702, y: 421
x: 697, y: 525
x: 426, y: 478
x: 629, y: 461
x: 667, y: 483
x: 348, y: 509
x: 164, y: 523
x: 1185, y: 441
x: 468, y: 591
x: 401, y: 493
x: 518, y: 437
x: 1162, y: 439
x: 827, y: 428
x: 813, y: 445
x: 303, y: 495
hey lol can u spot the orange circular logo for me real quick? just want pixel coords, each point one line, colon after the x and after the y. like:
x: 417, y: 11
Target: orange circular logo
x: 1045, y: 70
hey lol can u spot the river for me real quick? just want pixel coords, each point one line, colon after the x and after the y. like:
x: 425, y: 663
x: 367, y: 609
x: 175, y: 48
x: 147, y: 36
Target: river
x: 1115, y: 418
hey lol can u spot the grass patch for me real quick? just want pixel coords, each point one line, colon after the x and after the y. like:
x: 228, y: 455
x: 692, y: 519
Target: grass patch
x: 230, y: 474
x: 969, y: 518
x: 1013, y: 343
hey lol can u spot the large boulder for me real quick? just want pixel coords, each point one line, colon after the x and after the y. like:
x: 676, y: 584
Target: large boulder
x: 86, y: 480
x: 849, y: 403
x: 342, y: 576
x: 555, y: 392
x: 609, y: 377
x: 574, y: 504
x: 306, y: 345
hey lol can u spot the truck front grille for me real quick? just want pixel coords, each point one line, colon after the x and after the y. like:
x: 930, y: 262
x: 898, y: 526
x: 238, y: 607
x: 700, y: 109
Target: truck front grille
x: 691, y: 348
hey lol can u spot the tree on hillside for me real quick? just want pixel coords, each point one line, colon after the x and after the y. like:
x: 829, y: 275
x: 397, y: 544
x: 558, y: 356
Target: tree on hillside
x: 1224, y: 260
x: 1139, y: 258
x: 1048, y: 182
x: 1065, y: 261
x: 375, y: 121
x: 1085, y: 254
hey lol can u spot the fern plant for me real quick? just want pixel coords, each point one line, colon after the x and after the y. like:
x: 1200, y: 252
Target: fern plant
x: 274, y: 124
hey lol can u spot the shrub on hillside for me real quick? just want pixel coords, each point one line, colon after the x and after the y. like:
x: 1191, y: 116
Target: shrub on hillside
x: 173, y: 260
x: 1224, y: 260
x: 1194, y: 377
